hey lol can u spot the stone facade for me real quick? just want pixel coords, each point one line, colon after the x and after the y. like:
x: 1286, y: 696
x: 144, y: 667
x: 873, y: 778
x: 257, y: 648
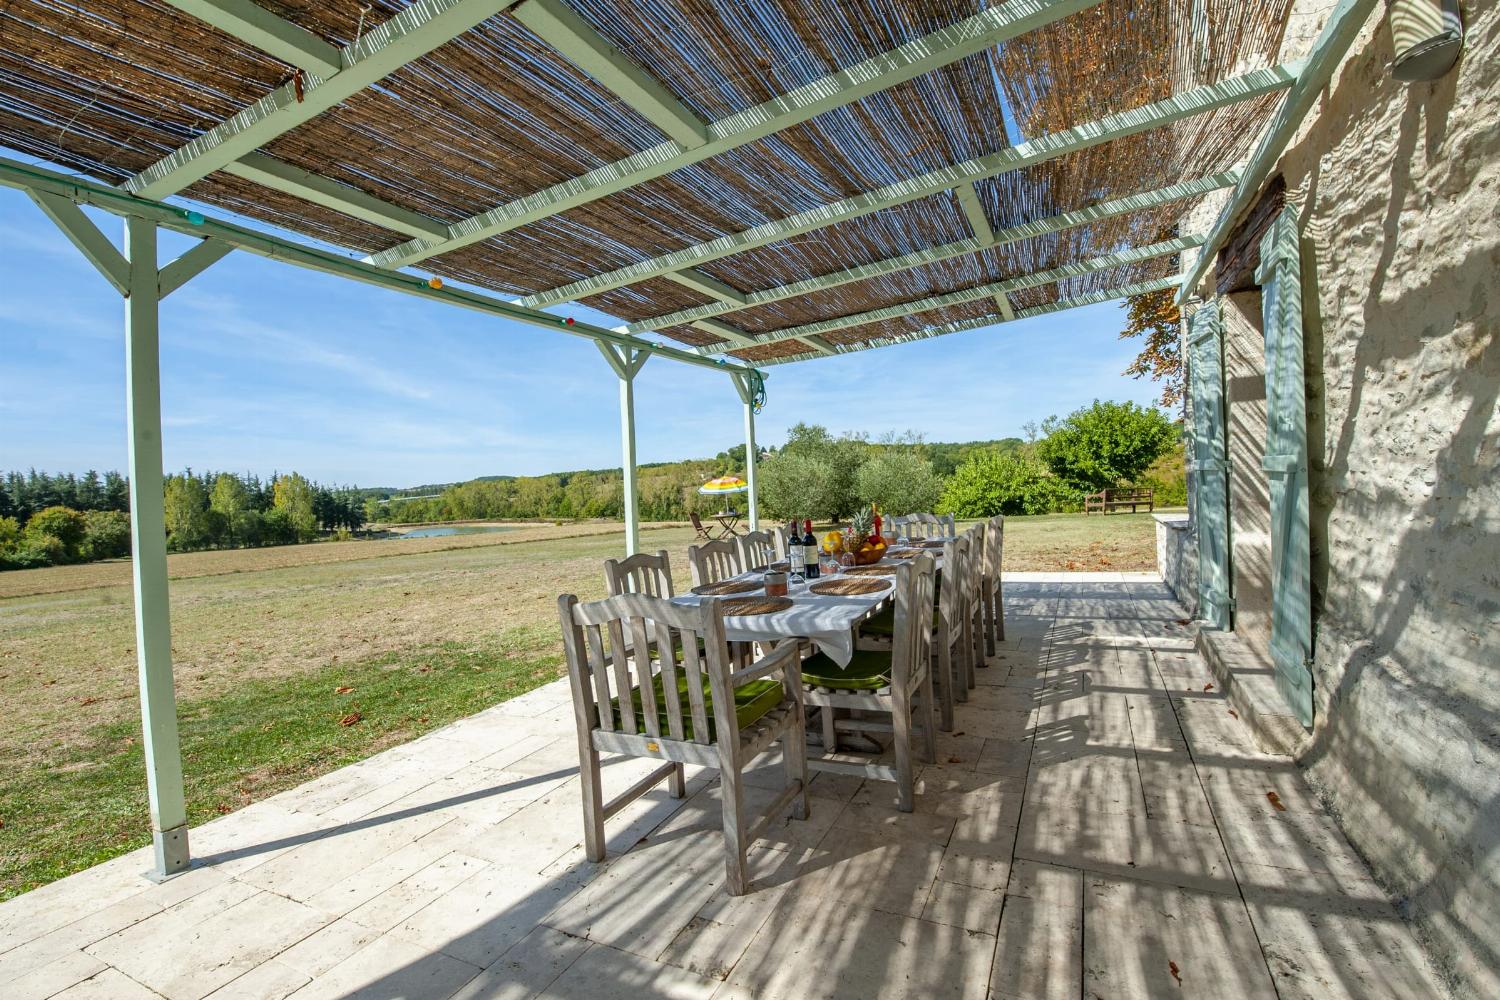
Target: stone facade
x: 1397, y: 188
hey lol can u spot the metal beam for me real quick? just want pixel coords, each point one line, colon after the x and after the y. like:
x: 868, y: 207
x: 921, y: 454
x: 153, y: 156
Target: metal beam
x: 705, y: 284
x: 915, y: 58
x: 1338, y: 34
x: 257, y: 26
x: 557, y: 25
x: 273, y: 173
x: 1254, y: 84
x: 921, y: 258
x: 1092, y: 298
x: 979, y: 219
x: 415, y: 31
x: 81, y: 231
x: 78, y: 191
x: 1102, y: 262
x: 191, y: 264
x: 148, y: 533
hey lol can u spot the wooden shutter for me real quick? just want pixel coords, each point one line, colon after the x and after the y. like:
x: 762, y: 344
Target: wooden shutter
x: 1280, y: 277
x: 1210, y: 468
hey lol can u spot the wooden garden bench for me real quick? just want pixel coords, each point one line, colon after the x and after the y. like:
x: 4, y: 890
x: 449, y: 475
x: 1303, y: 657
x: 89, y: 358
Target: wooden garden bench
x: 1108, y: 500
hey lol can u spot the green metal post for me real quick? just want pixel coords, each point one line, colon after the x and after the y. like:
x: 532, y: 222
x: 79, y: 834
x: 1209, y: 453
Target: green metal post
x: 626, y: 362
x: 153, y: 629
x: 747, y: 397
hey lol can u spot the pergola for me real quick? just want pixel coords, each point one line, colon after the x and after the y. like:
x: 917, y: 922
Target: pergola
x: 743, y: 183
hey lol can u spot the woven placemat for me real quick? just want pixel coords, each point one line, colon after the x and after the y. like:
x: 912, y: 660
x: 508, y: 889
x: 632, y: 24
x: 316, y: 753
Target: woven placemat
x: 843, y: 587
x: 744, y: 606
x: 871, y: 570
x: 905, y: 554
x: 726, y: 587
x: 933, y: 543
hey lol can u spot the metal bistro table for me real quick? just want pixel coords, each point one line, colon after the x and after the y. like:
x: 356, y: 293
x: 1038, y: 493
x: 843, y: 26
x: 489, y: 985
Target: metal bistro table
x: 727, y: 520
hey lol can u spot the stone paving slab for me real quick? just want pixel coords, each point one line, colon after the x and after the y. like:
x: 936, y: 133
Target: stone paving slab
x: 1099, y: 823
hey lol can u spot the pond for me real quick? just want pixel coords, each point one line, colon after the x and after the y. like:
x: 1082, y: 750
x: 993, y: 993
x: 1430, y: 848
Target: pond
x: 455, y: 529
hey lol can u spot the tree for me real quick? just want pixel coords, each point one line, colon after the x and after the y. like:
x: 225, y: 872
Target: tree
x: 993, y: 483
x: 1105, y: 444
x: 899, y: 482
x: 185, y: 506
x: 841, y: 458
x: 797, y: 485
x: 231, y: 501
x: 1155, y: 317
x: 293, y: 497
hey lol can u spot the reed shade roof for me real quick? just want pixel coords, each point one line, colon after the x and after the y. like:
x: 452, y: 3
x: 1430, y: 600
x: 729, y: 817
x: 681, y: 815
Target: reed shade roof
x: 107, y: 87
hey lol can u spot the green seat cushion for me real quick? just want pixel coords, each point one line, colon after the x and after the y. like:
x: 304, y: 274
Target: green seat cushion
x: 870, y: 669
x: 751, y: 701
x: 883, y: 625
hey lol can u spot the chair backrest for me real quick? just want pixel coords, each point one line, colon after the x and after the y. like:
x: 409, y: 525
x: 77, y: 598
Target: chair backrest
x: 994, y: 548
x: 974, y: 572
x: 955, y: 593
x: 614, y: 688
x: 911, y: 644
x: 757, y: 549
x: 641, y: 573
x: 713, y: 561
x: 947, y: 527
x: 778, y: 535
x: 902, y: 524
x: 697, y: 522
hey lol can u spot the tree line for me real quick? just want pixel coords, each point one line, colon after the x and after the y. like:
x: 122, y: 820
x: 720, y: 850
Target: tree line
x: 827, y: 477
x: 48, y: 520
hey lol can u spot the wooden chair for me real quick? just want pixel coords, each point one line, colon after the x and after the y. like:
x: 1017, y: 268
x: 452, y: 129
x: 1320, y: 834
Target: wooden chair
x: 974, y: 609
x: 993, y: 589
x: 641, y: 573
x: 954, y: 635
x: 901, y: 525
x: 710, y: 562
x: 896, y: 681
x: 945, y: 526
x: 778, y: 534
x: 699, y: 526
x: 757, y: 549
x: 635, y: 706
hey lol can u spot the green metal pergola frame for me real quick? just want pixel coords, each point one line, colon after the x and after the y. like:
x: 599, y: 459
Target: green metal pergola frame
x: 332, y: 75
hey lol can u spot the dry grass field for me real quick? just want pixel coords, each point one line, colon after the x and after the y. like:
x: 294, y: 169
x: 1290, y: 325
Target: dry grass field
x: 420, y: 631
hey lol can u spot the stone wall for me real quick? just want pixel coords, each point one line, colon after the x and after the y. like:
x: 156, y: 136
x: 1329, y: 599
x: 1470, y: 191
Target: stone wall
x: 1398, y: 188
x: 1177, y: 558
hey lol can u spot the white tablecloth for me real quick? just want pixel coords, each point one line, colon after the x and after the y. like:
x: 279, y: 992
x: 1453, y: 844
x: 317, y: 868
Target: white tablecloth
x: 826, y: 619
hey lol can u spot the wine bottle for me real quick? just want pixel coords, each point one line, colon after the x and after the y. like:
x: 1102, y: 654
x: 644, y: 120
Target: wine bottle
x: 809, y: 551
x: 793, y: 552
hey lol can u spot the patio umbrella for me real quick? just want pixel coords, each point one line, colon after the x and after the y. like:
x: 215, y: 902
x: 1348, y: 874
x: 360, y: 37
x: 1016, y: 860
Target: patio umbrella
x: 724, y: 484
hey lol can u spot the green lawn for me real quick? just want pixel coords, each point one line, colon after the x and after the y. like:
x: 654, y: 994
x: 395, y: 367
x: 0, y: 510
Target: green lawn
x: 262, y: 655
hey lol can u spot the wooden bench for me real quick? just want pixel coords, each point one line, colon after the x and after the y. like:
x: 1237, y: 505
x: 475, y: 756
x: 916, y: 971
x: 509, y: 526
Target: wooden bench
x: 1108, y: 500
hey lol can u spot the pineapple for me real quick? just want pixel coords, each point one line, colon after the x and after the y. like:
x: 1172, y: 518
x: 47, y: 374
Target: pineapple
x: 860, y: 527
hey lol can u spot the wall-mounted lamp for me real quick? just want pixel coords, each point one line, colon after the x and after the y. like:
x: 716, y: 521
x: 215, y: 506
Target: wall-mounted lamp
x: 1428, y: 35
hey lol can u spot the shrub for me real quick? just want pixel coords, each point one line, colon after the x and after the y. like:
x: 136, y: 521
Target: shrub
x: 1105, y: 444
x: 61, y: 524
x: 106, y: 534
x: 899, y: 482
x: 990, y: 484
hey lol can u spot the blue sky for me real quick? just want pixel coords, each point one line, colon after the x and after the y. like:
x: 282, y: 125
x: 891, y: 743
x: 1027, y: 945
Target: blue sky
x: 270, y: 367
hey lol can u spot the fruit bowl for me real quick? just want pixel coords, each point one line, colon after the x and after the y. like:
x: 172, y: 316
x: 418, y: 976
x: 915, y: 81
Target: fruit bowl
x: 869, y: 552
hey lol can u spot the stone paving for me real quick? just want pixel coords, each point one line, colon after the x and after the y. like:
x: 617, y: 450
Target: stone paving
x: 1099, y: 824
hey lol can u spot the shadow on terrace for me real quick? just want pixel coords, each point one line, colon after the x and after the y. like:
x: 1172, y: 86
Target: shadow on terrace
x: 1099, y: 821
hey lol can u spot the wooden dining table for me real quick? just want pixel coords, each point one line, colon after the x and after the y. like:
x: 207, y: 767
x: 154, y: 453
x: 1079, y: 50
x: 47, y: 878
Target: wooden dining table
x: 827, y: 620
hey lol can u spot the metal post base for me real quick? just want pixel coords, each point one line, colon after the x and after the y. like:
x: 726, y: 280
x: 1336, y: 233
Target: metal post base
x: 172, y: 857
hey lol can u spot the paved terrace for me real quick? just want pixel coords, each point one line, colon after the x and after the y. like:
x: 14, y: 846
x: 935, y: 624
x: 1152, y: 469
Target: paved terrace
x: 1098, y: 825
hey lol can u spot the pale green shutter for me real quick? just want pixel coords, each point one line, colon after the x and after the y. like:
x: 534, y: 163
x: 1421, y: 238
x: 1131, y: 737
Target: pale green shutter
x: 1209, y: 468
x: 1280, y: 278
